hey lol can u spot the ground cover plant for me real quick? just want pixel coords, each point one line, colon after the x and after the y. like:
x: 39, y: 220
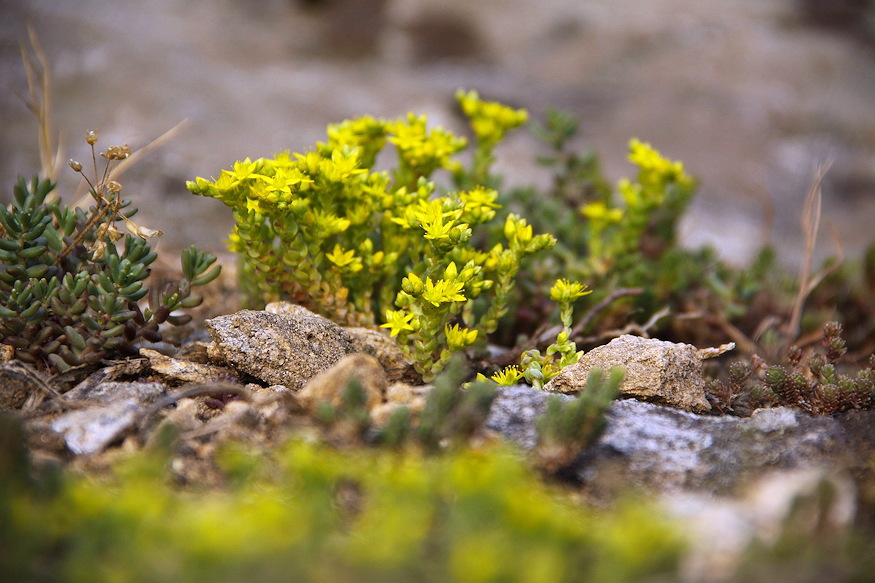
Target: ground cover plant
x: 480, y: 286
x: 71, y: 281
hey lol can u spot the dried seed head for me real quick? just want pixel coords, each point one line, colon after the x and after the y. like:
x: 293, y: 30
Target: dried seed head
x: 76, y: 166
x: 114, y: 187
x: 91, y: 137
x: 117, y: 152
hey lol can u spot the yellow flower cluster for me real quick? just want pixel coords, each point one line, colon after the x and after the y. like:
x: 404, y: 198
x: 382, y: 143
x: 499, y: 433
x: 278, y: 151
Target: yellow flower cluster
x: 421, y: 150
x: 361, y: 246
x: 490, y: 120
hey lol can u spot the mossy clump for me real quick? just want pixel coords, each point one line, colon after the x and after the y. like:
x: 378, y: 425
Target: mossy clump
x: 814, y: 382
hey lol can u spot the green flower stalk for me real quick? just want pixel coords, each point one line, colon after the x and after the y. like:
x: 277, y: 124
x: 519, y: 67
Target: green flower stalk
x: 490, y: 121
x: 537, y: 368
x: 654, y: 202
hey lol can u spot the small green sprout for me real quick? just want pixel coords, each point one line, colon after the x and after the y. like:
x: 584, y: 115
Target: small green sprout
x: 537, y: 368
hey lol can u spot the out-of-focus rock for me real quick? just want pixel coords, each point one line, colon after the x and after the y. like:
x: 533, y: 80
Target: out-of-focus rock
x: 280, y: 349
x: 400, y: 395
x: 329, y: 385
x: 659, y: 372
x: 116, y: 408
x: 720, y: 530
x: 18, y: 382
x: 514, y: 412
x: 664, y: 449
x: 110, y: 391
x: 397, y: 366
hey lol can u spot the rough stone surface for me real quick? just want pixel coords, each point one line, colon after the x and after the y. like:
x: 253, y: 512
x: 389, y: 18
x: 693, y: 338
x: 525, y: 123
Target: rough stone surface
x: 669, y: 449
x: 660, y: 372
x: 176, y: 370
x: 665, y: 449
x: 329, y: 386
x: 397, y: 366
x: 111, y: 391
x: 116, y: 408
x: 287, y: 349
x: 514, y: 412
x: 92, y: 430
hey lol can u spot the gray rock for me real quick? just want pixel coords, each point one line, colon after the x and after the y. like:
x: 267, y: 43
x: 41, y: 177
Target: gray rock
x: 514, y: 412
x: 287, y: 349
x: 90, y: 431
x: 659, y: 372
x: 179, y: 370
x: 111, y: 391
x: 114, y: 409
x: 668, y: 449
x: 665, y: 449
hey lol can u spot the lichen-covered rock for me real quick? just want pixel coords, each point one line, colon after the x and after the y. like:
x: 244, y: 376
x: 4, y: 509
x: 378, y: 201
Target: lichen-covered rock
x: 659, y: 372
x: 91, y: 430
x: 664, y: 449
x: 109, y: 391
x: 280, y: 349
x: 397, y: 366
x: 329, y: 386
x: 514, y: 412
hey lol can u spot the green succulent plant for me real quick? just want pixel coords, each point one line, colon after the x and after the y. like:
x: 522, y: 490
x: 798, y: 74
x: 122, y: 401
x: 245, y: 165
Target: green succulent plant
x: 382, y: 248
x: 815, y: 383
x: 72, y: 284
x: 567, y: 426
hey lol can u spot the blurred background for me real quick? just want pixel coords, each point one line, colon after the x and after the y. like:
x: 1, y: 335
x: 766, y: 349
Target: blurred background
x: 752, y: 95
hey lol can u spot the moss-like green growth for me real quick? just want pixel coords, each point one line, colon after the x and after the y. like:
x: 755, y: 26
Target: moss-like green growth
x: 312, y: 513
x: 567, y: 426
x: 814, y: 383
x: 71, y: 282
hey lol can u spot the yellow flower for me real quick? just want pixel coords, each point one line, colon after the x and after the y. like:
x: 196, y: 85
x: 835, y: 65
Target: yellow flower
x: 243, y: 170
x: 442, y: 292
x: 342, y: 258
x: 599, y: 211
x: 564, y: 291
x: 510, y: 376
x: 397, y: 321
x: 459, y: 338
x: 490, y: 120
x: 254, y: 205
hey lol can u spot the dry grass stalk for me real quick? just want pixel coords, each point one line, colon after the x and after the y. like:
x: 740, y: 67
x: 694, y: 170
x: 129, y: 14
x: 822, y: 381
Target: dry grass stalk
x: 811, y: 215
x: 39, y: 85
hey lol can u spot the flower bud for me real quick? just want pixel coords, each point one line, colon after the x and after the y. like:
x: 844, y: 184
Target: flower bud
x: 91, y: 137
x: 114, y: 187
x: 76, y: 166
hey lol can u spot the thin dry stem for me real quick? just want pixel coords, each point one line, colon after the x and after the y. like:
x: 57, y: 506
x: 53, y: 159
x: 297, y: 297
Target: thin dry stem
x: 811, y: 215
x: 39, y: 85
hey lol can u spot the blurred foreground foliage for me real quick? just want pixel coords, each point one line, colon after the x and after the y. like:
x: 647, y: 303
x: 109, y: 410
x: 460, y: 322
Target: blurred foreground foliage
x: 308, y: 512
